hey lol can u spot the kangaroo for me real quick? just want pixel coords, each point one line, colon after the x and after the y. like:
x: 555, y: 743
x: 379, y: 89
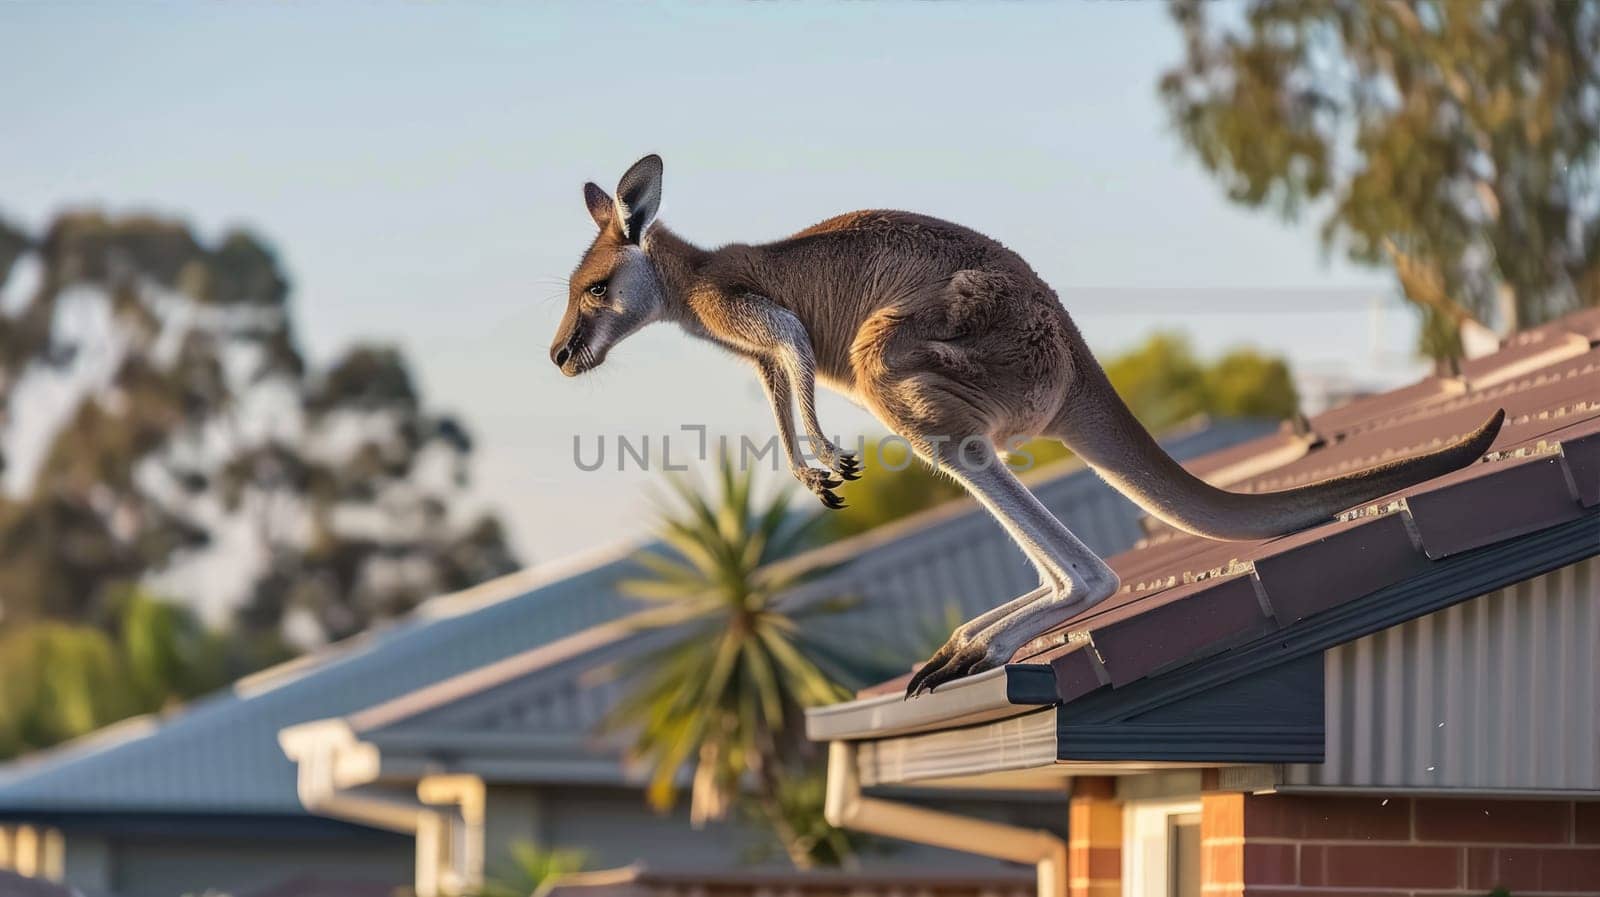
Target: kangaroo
x: 956, y: 345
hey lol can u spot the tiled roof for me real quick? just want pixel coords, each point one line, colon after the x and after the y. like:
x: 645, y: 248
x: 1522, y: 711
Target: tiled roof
x: 1185, y: 598
x: 221, y: 754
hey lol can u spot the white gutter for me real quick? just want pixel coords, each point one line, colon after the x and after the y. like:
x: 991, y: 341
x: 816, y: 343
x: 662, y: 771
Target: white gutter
x: 1009, y: 690
x: 848, y: 808
x: 332, y: 762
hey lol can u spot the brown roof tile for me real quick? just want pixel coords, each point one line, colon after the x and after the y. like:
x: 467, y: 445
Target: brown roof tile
x: 1309, y: 572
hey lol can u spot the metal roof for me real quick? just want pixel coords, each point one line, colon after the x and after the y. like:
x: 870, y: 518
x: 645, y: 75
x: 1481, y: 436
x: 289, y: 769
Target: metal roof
x: 221, y: 754
x: 902, y: 577
x: 1529, y: 506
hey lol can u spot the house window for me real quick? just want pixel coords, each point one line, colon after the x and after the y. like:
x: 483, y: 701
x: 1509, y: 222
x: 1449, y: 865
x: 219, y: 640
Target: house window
x: 32, y: 851
x: 1161, y: 849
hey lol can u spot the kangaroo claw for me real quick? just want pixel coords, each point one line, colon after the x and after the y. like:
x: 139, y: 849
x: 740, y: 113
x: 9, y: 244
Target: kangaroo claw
x: 952, y: 662
x: 939, y: 659
x: 848, y: 467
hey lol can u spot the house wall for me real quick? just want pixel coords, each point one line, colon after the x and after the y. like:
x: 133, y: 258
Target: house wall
x: 1280, y: 845
x: 1498, y: 693
x: 614, y: 827
x: 164, y: 868
x: 88, y: 865
x: 102, y: 865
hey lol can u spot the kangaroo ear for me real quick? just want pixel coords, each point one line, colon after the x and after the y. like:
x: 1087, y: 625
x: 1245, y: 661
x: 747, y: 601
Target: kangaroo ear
x: 639, y: 196
x: 601, y: 208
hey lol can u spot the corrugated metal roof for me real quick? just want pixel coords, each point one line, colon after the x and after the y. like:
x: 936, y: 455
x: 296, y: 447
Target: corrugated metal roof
x: 902, y: 579
x: 221, y: 754
x: 1498, y: 693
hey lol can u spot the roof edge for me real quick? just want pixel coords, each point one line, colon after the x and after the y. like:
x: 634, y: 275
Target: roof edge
x: 1006, y: 691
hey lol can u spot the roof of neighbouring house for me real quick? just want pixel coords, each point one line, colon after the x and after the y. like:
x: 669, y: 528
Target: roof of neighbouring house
x: 14, y: 885
x: 1529, y: 506
x: 531, y: 715
x: 641, y: 881
x: 221, y: 754
x: 316, y: 886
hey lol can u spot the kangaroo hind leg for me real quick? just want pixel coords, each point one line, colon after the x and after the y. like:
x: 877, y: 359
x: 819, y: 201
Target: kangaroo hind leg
x: 1073, y: 578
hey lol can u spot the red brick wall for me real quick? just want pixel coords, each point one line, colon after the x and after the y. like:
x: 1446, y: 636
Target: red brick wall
x: 1094, y: 832
x: 1306, y: 846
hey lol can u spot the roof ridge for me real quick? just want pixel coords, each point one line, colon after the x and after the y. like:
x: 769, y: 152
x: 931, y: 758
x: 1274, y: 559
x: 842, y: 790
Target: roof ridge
x: 515, y: 584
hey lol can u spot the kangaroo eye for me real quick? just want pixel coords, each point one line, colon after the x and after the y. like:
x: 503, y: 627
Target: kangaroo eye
x: 598, y: 289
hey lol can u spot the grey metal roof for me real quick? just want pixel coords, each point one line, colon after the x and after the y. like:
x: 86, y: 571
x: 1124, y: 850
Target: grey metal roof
x: 902, y: 579
x: 221, y: 754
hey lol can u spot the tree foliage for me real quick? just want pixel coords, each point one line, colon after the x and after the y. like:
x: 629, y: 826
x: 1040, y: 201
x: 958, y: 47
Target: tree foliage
x: 161, y: 425
x: 1166, y: 385
x: 61, y: 680
x: 1455, y: 143
x: 1161, y: 380
x: 725, y: 696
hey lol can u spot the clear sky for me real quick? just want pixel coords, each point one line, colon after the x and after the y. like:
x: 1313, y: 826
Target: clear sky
x: 418, y: 169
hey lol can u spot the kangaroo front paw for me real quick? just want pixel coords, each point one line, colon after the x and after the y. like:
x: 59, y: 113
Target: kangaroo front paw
x: 821, y: 483
x: 836, y: 459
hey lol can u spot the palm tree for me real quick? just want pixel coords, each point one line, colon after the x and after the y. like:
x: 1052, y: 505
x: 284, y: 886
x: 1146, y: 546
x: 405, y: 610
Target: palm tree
x: 726, y: 693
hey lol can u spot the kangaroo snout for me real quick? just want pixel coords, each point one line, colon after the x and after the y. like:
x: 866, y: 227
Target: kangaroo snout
x: 567, y: 354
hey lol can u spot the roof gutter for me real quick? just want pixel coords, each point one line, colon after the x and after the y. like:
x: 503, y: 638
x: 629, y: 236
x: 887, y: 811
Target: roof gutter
x: 333, y: 765
x: 330, y: 761
x: 847, y: 807
x: 1006, y: 691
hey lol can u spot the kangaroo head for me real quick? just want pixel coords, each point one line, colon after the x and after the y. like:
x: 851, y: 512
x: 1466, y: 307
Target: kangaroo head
x: 615, y: 289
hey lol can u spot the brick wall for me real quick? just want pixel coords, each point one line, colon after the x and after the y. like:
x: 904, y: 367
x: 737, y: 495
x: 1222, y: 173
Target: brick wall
x: 1094, y: 846
x: 1308, y: 846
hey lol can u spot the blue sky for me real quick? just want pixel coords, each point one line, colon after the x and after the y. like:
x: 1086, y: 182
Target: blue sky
x: 418, y: 169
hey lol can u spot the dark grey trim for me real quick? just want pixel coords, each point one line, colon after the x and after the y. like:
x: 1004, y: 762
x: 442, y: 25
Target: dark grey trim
x: 1030, y: 683
x: 202, y: 826
x: 1223, y: 724
x: 1220, y: 743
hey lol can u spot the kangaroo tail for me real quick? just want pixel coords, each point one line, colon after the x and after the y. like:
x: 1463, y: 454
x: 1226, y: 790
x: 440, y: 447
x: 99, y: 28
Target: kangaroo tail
x: 1097, y: 425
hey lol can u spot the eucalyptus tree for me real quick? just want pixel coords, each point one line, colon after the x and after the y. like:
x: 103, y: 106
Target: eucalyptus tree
x: 1456, y: 144
x: 162, y: 426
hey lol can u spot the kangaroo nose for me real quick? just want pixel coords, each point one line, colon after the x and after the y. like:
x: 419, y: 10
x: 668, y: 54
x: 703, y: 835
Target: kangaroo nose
x: 561, y: 355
